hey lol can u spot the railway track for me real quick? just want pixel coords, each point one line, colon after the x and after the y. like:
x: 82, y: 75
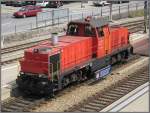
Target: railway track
x: 134, y: 26
x: 19, y: 47
x: 21, y: 104
x: 25, y: 103
x: 102, y: 99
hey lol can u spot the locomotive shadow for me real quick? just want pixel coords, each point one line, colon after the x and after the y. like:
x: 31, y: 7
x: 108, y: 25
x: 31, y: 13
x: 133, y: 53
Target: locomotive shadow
x: 16, y: 92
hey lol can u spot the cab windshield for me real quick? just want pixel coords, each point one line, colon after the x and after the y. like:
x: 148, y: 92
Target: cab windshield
x: 23, y: 9
x: 39, y: 1
x: 73, y: 29
x: 76, y: 29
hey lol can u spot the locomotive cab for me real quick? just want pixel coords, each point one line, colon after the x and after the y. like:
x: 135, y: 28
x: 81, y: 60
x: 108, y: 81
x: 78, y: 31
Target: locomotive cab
x: 97, y: 29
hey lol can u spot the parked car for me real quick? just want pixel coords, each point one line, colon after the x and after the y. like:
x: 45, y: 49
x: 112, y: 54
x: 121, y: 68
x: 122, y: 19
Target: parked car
x: 127, y: 1
x: 67, y: 1
x: 27, y: 11
x: 9, y: 3
x: 3, y: 1
x: 55, y: 4
x: 19, y: 3
x: 31, y: 2
x: 100, y: 3
x: 42, y: 3
x: 118, y: 2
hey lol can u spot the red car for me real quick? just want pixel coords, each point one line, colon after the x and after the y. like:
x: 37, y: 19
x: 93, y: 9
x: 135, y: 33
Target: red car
x: 27, y: 11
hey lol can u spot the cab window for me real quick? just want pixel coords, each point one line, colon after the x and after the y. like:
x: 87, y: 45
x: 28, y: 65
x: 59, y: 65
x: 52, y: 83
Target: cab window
x: 89, y: 31
x: 100, y: 31
x: 73, y: 29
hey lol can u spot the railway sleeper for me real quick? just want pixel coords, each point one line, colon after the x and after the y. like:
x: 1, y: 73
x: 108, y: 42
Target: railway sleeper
x: 28, y: 99
x: 117, y: 92
x: 87, y: 105
x: 26, y: 110
x: 144, y: 73
x: 91, y: 107
x: 96, y: 102
x: 139, y: 78
x: 112, y: 95
x: 109, y: 97
x: 135, y: 82
x: 140, y: 75
x: 8, y: 100
x: 100, y: 105
x: 131, y: 86
x: 122, y: 89
x: 28, y: 105
x: 14, y: 108
x: 102, y: 99
x: 6, y: 110
x: 31, y: 103
x: 86, y: 110
x: 96, y: 108
x: 123, y: 86
x: 19, y: 104
x: 24, y: 101
x: 144, y: 70
x: 72, y: 110
x: 38, y: 102
x: 76, y: 111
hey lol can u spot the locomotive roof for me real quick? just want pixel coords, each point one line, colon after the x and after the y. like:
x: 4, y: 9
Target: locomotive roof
x: 94, y: 22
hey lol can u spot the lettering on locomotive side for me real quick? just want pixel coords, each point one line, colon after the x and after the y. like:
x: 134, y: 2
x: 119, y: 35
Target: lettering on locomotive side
x: 103, y: 72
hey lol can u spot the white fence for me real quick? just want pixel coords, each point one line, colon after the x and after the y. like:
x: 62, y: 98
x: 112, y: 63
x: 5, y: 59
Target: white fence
x: 59, y: 16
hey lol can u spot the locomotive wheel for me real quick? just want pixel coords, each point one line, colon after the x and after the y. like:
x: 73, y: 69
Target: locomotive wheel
x: 130, y: 50
x: 24, y: 16
x: 74, y: 78
x: 119, y: 58
x: 65, y: 81
x: 123, y: 56
x: 113, y: 59
x: 82, y: 76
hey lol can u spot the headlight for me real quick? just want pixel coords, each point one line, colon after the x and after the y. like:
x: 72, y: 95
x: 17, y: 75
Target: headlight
x: 21, y: 73
x: 41, y: 75
x: 20, y: 13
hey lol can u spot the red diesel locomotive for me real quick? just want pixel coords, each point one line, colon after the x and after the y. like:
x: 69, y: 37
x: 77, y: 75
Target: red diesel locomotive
x: 88, y: 50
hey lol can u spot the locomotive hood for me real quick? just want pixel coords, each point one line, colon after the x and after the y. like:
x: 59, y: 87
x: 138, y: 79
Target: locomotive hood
x: 36, y: 58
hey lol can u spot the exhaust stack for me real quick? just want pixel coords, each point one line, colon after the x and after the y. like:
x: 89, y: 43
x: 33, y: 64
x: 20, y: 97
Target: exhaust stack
x: 54, y: 38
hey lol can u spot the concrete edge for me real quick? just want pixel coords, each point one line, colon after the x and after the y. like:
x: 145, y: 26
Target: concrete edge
x: 118, y: 105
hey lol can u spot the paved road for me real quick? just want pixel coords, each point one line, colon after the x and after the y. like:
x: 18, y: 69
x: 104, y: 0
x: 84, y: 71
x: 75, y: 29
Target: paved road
x: 9, y: 73
x: 10, y: 24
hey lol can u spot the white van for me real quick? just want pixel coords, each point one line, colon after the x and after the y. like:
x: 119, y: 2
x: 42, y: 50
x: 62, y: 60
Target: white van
x: 42, y: 3
x: 100, y: 3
